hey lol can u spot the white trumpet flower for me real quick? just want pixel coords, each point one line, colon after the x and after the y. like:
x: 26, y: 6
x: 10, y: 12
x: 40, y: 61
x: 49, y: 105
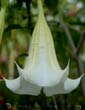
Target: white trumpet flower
x: 41, y: 68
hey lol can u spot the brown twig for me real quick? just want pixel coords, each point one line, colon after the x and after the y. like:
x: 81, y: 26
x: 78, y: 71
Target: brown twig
x: 68, y: 34
x: 81, y: 41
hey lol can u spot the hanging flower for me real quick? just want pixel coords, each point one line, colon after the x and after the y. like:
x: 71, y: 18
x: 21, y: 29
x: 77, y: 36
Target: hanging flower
x: 41, y: 68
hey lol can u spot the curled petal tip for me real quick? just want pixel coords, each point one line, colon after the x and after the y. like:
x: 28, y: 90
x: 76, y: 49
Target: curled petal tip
x: 82, y: 75
x: 70, y: 84
x: 4, y: 78
x: 66, y: 72
x: 13, y: 85
x: 20, y: 70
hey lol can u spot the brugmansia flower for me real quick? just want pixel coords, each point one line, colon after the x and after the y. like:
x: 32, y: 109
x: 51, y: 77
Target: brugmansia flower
x: 41, y: 68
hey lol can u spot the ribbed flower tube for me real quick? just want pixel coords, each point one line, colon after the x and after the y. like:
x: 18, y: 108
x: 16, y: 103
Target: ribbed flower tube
x: 41, y: 68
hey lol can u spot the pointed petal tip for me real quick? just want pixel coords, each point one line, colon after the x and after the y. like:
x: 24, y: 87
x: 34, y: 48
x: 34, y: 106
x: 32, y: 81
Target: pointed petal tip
x: 4, y: 78
x: 82, y: 75
x: 66, y: 70
x: 68, y: 61
x: 20, y: 70
x: 16, y: 64
x: 12, y: 84
x: 70, y: 84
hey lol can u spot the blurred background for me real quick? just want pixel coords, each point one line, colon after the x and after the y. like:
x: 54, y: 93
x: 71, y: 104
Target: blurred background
x: 66, y: 19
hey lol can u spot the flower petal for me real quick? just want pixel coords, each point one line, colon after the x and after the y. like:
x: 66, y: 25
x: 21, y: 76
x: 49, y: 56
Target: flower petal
x: 20, y: 86
x: 20, y: 70
x: 42, y: 45
x: 42, y: 67
x: 44, y: 76
x: 70, y: 84
x: 13, y: 85
x: 62, y: 88
x: 66, y: 73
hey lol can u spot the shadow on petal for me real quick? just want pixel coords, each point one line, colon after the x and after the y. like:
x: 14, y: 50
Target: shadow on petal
x: 71, y: 84
x: 20, y: 86
x: 62, y: 88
